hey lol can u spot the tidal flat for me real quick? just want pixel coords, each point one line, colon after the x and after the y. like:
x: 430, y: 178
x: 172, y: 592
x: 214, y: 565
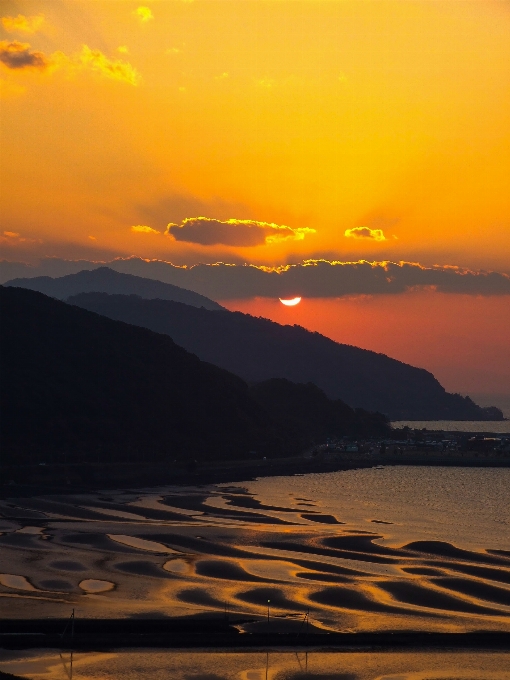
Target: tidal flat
x: 372, y: 550
x: 296, y: 665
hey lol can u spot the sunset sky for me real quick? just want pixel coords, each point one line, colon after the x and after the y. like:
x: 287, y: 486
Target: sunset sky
x: 326, y: 130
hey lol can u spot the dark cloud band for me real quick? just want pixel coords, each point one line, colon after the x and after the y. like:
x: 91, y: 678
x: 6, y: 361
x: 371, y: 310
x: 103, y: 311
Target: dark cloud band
x: 319, y: 278
x: 312, y: 278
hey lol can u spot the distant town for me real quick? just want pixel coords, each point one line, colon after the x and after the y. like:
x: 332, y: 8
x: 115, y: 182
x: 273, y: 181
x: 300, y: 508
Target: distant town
x: 423, y: 445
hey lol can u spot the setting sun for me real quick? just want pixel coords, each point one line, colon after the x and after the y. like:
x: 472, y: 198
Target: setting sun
x: 291, y: 303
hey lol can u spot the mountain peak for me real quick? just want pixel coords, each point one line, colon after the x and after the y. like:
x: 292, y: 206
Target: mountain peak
x: 107, y: 280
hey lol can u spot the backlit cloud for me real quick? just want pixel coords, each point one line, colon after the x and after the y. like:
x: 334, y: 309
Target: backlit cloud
x: 308, y: 279
x: 144, y: 229
x: 23, y: 24
x: 242, y: 233
x: 116, y: 69
x: 17, y: 55
x: 10, y: 238
x: 144, y: 14
x: 319, y: 279
x: 365, y: 233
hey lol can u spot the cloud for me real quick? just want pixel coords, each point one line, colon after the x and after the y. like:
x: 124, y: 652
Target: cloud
x: 206, y: 231
x: 23, y: 24
x: 123, y: 49
x: 311, y: 278
x: 17, y: 55
x: 365, y: 233
x: 116, y: 69
x: 144, y: 14
x: 143, y: 229
x: 319, y: 278
x: 265, y: 82
x: 11, y: 238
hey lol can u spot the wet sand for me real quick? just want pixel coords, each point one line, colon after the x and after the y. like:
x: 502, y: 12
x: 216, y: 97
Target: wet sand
x: 204, y: 551
x: 257, y: 665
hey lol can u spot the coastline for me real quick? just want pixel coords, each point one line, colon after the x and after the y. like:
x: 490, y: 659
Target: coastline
x: 220, y: 635
x: 56, y: 479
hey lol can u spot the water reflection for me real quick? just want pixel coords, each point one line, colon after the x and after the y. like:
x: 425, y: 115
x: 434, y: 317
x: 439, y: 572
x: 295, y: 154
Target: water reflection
x: 67, y: 662
x: 297, y: 665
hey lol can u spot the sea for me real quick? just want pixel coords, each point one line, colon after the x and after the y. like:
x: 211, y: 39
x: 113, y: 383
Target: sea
x: 386, y: 548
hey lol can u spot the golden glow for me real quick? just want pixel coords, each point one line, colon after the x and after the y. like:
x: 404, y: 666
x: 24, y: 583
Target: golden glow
x: 291, y: 303
x: 331, y: 116
x: 399, y: 326
x: 144, y: 229
x: 144, y: 14
x: 23, y: 24
x: 365, y: 232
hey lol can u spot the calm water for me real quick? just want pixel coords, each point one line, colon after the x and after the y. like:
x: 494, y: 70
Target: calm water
x: 501, y: 426
x: 158, y: 665
x: 468, y: 507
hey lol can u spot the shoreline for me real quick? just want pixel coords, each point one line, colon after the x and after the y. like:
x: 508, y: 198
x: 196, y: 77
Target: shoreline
x: 53, y: 479
x: 220, y: 635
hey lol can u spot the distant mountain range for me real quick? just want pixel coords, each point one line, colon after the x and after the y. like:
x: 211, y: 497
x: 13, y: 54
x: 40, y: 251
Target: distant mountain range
x: 106, y: 280
x: 76, y: 387
x: 257, y: 350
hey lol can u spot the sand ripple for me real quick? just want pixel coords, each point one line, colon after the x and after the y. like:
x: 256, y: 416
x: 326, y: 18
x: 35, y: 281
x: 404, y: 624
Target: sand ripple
x: 210, y: 550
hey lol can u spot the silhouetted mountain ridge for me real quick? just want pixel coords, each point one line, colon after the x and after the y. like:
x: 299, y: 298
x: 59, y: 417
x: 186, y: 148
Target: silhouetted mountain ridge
x: 257, y: 349
x: 106, y: 280
x: 77, y: 386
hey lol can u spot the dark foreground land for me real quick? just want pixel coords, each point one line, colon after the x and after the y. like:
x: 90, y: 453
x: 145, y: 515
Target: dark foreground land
x: 104, y: 634
x: 30, y: 480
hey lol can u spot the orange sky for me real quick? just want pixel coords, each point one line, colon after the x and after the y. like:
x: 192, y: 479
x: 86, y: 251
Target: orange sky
x: 461, y: 339
x: 371, y: 130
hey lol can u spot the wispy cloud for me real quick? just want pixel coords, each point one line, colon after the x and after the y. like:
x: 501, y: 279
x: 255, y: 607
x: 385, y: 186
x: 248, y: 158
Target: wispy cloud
x: 17, y: 55
x: 206, y: 231
x: 144, y: 229
x: 265, y: 82
x: 11, y: 238
x: 144, y: 14
x: 365, y: 233
x: 116, y: 69
x: 23, y: 24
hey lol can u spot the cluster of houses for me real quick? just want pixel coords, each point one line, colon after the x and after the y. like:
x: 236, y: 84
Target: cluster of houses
x: 407, y: 441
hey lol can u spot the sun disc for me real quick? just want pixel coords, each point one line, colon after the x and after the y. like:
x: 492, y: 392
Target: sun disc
x: 292, y: 302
